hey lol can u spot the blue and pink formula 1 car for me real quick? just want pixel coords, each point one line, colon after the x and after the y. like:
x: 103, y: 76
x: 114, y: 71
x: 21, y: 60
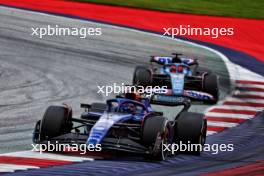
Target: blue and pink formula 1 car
x: 183, y: 77
x: 126, y: 123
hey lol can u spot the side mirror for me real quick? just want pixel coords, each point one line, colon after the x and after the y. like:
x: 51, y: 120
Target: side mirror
x: 85, y: 106
x: 152, y: 59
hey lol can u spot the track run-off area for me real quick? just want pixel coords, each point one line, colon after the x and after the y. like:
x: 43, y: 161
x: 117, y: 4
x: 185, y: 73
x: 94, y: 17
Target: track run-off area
x: 35, y: 73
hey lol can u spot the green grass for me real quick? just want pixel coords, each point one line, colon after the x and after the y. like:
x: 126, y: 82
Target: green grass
x: 231, y: 8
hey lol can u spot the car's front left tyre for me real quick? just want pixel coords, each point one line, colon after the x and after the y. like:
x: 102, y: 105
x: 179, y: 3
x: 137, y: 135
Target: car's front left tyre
x: 55, y: 122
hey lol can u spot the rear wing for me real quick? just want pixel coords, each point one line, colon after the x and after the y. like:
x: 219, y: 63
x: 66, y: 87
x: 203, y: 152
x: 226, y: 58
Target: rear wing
x: 85, y: 106
x: 161, y: 60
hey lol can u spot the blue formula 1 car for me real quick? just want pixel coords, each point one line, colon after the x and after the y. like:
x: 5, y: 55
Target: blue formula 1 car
x: 124, y: 124
x: 181, y: 76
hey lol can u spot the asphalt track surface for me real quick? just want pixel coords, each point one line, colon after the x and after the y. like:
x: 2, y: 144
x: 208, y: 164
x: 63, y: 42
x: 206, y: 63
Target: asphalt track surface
x: 36, y: 73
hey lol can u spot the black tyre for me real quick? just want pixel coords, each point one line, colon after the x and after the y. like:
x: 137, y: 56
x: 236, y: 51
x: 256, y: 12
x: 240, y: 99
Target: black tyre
x: 98, y: 107
x: 201, y: 70
x: 156, y: 132
x: 210, y: 85
x: 56, y: 121
x: 142, y: 76
x: 191, y: 129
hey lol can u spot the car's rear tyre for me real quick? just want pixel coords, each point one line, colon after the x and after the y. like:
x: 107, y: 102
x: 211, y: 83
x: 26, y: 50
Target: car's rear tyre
x: 156, y: 132
x: 142, y: 76
x: 55, y: 122
x: 211, y: 86
x: 191, y: 129
x: 201, y: 70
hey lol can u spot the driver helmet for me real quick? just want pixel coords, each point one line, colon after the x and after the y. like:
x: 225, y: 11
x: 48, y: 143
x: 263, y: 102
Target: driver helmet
x: 133, y: 96
x: 128, y: 108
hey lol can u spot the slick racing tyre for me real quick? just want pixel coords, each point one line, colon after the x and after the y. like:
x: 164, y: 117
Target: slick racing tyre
x: 210, y: 85
x: 201, y: 70
x: 156, y: 132
x: 191, y: 129
x: 55, y: 122
x: 142, y: 76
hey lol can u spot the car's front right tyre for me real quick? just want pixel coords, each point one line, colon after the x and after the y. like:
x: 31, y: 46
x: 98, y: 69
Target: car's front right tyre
x: 190, y: 129
x: 157, y: 131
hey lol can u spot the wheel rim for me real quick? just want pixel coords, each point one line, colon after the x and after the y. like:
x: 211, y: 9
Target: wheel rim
x: 203, y: 134
x: 165, y: 140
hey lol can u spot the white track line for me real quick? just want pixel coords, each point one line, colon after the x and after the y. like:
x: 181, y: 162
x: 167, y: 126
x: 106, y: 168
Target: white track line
x: 228, y: 115
x: 210, y: 133
x: 14, y: 167
x: 221, y: 124
x: 249, y: 93
x: 244, y: 100
x: 249, y: 85
x: 235, y: 107
x: 51, y: 156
